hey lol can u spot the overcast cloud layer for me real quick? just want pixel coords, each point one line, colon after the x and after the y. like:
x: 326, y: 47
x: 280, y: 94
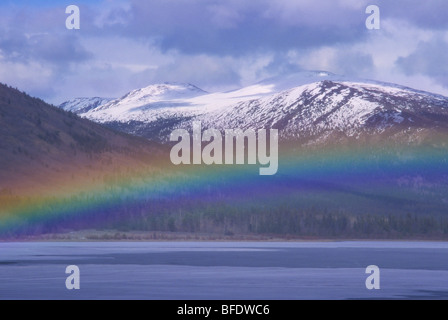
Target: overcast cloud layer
x: 216, y: 44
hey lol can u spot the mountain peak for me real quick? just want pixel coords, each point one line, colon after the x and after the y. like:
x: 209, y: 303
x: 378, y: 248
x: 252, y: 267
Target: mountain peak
x: 296, y: 79
x: 166, y: 91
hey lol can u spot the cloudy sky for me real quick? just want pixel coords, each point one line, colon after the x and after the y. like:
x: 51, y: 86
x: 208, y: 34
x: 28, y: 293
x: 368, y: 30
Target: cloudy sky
x: 216, y: 44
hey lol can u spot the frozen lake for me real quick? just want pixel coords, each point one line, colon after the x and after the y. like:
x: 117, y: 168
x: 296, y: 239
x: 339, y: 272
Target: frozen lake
x: 224, y: 270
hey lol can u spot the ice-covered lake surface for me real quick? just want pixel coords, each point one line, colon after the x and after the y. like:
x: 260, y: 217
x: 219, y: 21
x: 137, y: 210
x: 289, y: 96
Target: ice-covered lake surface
x: 224, y: 270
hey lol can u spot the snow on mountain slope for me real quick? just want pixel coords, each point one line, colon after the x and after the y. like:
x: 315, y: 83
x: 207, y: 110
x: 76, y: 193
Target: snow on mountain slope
x: 169, y: 95
x: 177, y: 99
x: 170, y: 100
x: 82, y: 105
x: 289, y: 81
x: 330, y: 106
x: 158, y: 96
x: 153, y: 96
x: 313, y: 104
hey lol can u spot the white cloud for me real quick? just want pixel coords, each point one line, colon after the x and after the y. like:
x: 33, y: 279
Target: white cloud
x: 32, y: 77
x: 214, y: 44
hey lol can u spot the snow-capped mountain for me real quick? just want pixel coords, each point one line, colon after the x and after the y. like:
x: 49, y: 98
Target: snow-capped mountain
x: 134, y: 105
x: 152, y: 97
x: 82, y: 105
x: 310, y: 105
x: 327, y: 107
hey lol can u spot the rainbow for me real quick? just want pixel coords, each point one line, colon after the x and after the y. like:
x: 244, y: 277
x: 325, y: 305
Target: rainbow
x: 357, y: 180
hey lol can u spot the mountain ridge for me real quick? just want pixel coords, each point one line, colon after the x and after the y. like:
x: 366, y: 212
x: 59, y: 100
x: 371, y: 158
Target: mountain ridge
x: 313, y: 112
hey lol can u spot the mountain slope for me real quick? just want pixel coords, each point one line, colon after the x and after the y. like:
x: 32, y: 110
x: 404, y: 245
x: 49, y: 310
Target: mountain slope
x: 82, y: 105
x: 320, y: 109
x: 316, y: 111
x: 41, y: 144
x: 151, y: 98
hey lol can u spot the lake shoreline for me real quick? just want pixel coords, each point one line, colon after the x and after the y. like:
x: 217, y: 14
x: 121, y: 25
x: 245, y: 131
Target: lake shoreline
x: 162, y: 236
